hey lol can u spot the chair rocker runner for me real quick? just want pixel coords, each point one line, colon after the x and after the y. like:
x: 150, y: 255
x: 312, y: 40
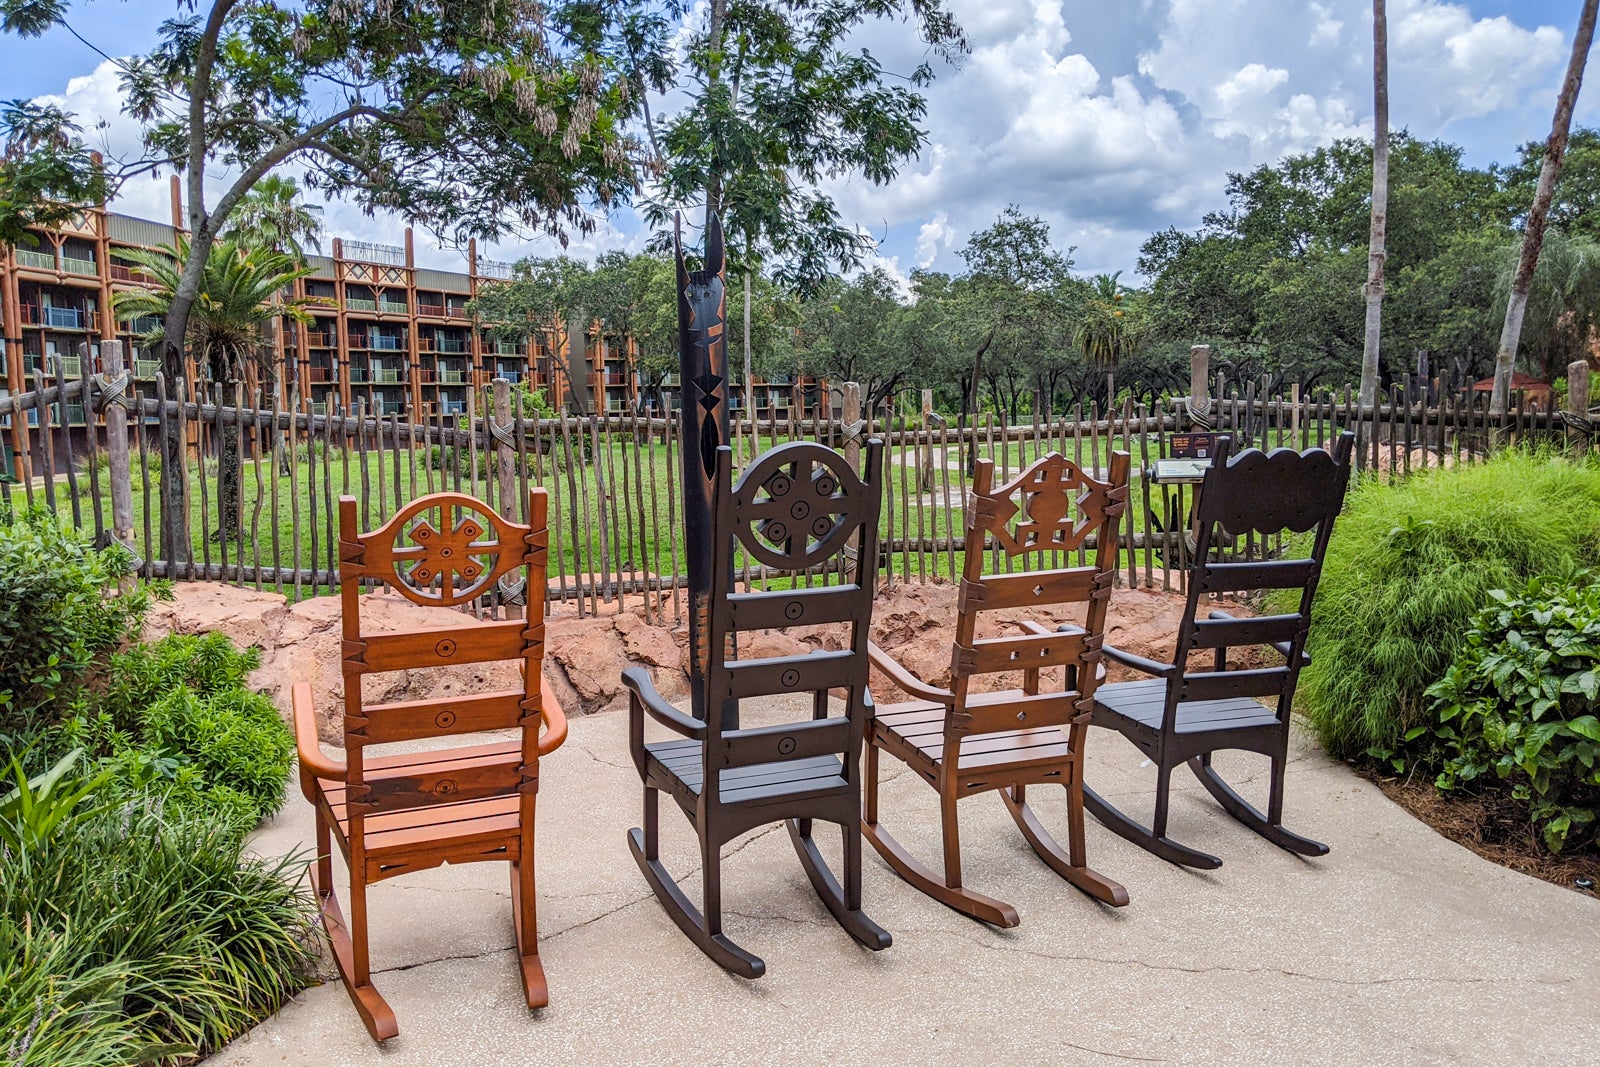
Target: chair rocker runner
x: 796, y: 507
x: 394, y: 814
x: 1180, y: 716
x: 964, y: 743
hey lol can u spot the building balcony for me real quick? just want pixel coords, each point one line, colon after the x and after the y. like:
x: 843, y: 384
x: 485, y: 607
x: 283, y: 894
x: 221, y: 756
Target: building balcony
x: 512, y: 376
x: 37, y: 260
x: 357, y: 304
x: 319, y: 407
x: 507, y: 348
x: 452, y: 377
x: 74, y: 414
x: 434, y: 310
x: 455, y: 313
x: 394, y: 307
x: 450, y: 344
x: 386, y: 344
x: 75, y: 265
x: 119, y: 273
x: 322, y: 300
x: 322, y: 374
x: 146, y: 368
x: 356, y: 340
x: 387, y: 375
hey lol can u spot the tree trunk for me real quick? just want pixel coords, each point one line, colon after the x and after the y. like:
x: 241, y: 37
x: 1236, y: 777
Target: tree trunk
x: 1555, y: 149
x: 228, y: 481
x: 749, y: 375
x: 1376, y: 254
x: 969, y: 404
x: 719, y: 14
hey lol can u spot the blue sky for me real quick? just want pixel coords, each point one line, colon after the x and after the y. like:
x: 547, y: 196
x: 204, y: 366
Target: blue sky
x: 1110, y: 120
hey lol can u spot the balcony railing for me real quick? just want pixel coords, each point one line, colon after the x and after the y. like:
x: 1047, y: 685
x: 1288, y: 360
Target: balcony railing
x: 453, y: 377
x: 388, y: 375
x: 509, y: 375
x: 453, y: 407
x: 319, y: 338
x: 322, y: 300
x: 393, y: 307
x: 358, y: 375
x: 507, y: 348
x: 387, y: 344
x: 319, y: 407
x: 142, y: 326
x: 119, y: 273
x: 356, y: 340
x: 322, y: 374
x: 357, y: 304
x: 455, y: 313
x: 74, y: 414
x: 74, y: 265
x: 425, y: 308
x: 146, y: 368
x: 63, y: 318
x: 39, y: 260
x: 451, y: 344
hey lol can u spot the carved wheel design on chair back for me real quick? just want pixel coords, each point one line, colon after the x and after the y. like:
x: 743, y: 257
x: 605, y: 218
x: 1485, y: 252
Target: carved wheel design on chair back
x: 964, y: 743
x: 1179, y: 715
x: 394, y: 814
x: 796, y: 507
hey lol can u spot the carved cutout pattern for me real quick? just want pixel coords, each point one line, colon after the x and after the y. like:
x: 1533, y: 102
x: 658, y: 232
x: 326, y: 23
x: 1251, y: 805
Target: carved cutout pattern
x: 797, y: 506
x: 1061, y: 506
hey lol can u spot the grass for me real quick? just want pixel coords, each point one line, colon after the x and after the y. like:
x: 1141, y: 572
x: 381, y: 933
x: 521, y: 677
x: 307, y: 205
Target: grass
x: 1409, y: 565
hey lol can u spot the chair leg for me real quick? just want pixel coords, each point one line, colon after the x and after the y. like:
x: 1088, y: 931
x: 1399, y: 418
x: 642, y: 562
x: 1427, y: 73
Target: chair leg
x: 349, y: 953
x: 977, y: 905
x: 844, y: 902
x: 1155, y: 844
x: 645, y: 848
x: 1269, y: 826
x: 1069, y: 864
x: 524, y: 914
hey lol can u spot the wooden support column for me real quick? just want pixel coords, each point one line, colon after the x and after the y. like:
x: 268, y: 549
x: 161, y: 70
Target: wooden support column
x: 853, y: 426
x: 1578, y: 430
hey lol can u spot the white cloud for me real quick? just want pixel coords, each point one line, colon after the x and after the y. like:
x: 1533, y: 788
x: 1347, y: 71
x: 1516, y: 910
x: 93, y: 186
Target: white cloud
x: 934, y: 236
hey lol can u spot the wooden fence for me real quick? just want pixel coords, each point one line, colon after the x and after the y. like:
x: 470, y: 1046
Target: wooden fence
x: 616, y: 534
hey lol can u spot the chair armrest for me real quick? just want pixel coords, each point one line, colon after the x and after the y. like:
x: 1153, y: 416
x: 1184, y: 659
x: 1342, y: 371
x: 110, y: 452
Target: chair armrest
x: 1281, y: 646
x: 555, y: 720
x: 305, y: 737
x: 1139, y: 663
x: 645, y: 696
x: 907, y: 682
x: 1045, y: 631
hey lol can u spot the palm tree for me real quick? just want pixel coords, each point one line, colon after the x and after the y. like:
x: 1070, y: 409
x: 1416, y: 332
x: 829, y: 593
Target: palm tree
x: 1111, y: 327
x: 242, y: 292
x: 1555, y: 149
x: 272, y: 215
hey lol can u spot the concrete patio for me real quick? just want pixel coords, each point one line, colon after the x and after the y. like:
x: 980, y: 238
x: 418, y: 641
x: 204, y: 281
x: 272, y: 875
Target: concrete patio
x: 1400, y: 947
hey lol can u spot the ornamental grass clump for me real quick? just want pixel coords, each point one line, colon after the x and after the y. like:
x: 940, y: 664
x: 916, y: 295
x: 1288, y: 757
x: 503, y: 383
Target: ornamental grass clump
x: 1411, y: 564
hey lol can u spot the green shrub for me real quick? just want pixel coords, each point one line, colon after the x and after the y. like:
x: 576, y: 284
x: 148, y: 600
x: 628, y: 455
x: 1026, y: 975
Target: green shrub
x: 59, y: 608
x: 177, y: 716
x: 1518, y: 708
x: 164, y: 912
x: 1411, y: 563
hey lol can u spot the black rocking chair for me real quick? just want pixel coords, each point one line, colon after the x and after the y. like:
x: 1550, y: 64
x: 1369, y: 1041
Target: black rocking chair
x: 1183, y: 716
x: 797, y: 507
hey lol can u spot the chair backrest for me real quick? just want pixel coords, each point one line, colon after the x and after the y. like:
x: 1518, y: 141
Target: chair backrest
x: 442, y: 550
x: 1053, y: 506
x: 797, y: 507
x: 1262, y: 494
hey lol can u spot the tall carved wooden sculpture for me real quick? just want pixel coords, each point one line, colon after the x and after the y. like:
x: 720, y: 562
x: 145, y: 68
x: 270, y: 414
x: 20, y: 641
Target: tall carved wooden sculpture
x: 1180, y: 715
x: 394, y: 814
x: 797, y: 507
x: 963, y: 742
x: 703, y: 370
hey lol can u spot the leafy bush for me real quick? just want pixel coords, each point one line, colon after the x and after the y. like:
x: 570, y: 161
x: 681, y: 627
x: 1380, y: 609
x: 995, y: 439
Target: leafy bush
x: 1412, y: 562
x: 151, y: 927
x: 59, y: 608
x: 1518, y: 708
x: 178, y: 716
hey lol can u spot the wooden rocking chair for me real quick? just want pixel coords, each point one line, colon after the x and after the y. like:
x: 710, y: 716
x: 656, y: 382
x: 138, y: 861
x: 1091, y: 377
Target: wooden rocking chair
x: 1181, y: 716
x: 796, y: 507
x: 964, y: 743
x: 394, y: 814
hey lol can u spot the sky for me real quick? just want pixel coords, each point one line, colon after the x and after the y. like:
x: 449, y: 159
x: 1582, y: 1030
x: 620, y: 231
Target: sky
x: 1109, y: 120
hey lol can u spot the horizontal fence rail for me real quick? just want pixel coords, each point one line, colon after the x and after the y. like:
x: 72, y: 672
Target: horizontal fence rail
x: 263, y: 475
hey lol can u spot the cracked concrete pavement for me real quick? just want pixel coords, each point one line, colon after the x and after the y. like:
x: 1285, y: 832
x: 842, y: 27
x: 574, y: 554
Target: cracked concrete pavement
x: 1399, y: 947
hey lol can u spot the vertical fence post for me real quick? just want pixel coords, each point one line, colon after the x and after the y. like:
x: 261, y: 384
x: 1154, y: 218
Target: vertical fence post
x: 1200, y: 387
x: 1578, y: 407
x: 505, y: 464
x: 854, y: 428
x: 925, y: 482
x: 118, y: 390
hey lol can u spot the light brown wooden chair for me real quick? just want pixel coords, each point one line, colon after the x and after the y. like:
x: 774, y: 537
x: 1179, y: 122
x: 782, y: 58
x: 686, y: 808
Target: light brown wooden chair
x: 394, y: 814
x: 964, y: 743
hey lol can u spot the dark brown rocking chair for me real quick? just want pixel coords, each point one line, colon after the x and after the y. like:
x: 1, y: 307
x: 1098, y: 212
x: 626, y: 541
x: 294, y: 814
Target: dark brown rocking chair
x: 1183, y: 716
x: 393, y: 814
x: 964, y: 743
x: 796, y: 507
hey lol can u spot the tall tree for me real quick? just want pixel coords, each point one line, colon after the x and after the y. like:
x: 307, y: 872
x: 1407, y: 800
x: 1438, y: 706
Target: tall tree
x: 1110, y: 328
x: 537, y: 301
x: 1372, y: 340
x: 1555, y: 150
x: 273, y: 215
x: 782, y: 98
x: 472, y: 117
x: 241, y: 296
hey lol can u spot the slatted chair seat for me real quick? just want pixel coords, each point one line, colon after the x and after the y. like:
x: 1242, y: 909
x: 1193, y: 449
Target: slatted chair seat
x: 918, y: 727
x: 1180, y: 715
x: 1145, y: 701
x: 391, y: 814
x: 964, y: 742
x: 795, y: 507
x: 684, y: 763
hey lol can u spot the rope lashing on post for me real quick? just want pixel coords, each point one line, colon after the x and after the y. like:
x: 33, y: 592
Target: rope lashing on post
x: 1200, y: 414
x: 111, y: 391
x: 854, y: 433
x: 1575, y: 421
x: 503, y: 433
